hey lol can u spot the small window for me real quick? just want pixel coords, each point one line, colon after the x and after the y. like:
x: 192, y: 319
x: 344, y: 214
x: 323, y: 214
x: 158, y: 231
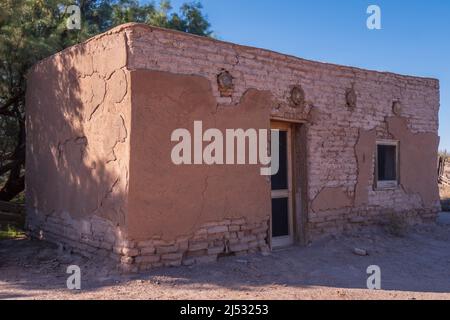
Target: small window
x: 386, y: 169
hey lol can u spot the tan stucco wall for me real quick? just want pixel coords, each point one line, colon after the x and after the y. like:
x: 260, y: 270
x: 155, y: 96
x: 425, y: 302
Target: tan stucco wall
x: 78, y: 121
x: 171, y: 200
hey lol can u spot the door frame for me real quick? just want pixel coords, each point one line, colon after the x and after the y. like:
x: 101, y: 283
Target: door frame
x: 284, y: 241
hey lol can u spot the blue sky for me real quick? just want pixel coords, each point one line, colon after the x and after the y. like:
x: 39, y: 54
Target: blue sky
x: 415, y: 35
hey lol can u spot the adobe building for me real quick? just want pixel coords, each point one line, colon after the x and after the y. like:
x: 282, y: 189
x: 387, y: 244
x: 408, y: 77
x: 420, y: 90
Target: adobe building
x: 356, y: 146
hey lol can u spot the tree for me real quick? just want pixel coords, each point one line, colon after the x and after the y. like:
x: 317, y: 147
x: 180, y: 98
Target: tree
x: 31, y: 30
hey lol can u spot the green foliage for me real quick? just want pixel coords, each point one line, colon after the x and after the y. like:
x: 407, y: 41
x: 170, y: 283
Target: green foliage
x: 11, y: 232
x: 444, y: 153
x: 34, y: 29
x: 31, y: 30
x: 19, y: 199
x: 190, y: 19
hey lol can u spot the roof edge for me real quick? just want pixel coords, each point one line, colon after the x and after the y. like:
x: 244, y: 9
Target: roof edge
x: 133, y: 25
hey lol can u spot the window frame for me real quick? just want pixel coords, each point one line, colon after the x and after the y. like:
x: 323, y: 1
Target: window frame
x: 388, y: 184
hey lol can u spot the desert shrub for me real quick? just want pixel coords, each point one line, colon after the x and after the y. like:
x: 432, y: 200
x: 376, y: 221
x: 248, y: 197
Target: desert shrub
x: 396, y: 225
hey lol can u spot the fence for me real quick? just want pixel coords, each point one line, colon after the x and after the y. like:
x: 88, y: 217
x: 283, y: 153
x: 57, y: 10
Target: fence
x: 444, y: 171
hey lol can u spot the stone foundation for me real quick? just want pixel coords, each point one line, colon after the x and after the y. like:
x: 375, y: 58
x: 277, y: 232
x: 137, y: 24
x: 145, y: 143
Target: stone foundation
x: 335, y: 222
x: 99, y: 237
x: 209, y: 242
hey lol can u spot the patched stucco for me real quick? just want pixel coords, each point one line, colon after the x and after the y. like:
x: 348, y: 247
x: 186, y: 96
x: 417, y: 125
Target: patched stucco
x: 189, y: 195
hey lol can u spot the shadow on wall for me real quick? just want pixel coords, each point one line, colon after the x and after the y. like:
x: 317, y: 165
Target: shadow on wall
x: 76, y: 134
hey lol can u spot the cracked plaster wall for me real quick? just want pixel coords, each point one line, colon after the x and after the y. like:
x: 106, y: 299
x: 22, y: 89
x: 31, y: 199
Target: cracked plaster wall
x: 78, y: 122
x: 339, y: 141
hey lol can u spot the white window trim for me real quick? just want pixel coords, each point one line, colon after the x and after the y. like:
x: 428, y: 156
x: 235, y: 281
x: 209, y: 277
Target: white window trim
x: 387, y: 184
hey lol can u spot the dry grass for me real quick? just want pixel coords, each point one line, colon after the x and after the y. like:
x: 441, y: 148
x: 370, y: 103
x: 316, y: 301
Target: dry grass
x: 11, y: 232
x: 396, y: 225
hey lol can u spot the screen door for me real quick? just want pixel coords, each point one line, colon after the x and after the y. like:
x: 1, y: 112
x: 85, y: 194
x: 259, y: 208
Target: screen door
x: 281, y: 185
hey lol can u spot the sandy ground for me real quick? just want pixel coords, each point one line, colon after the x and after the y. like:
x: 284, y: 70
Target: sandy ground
x: 415, y: 266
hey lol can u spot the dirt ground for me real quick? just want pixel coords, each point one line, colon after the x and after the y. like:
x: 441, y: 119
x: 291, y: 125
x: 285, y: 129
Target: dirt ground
x: 415, y: 266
